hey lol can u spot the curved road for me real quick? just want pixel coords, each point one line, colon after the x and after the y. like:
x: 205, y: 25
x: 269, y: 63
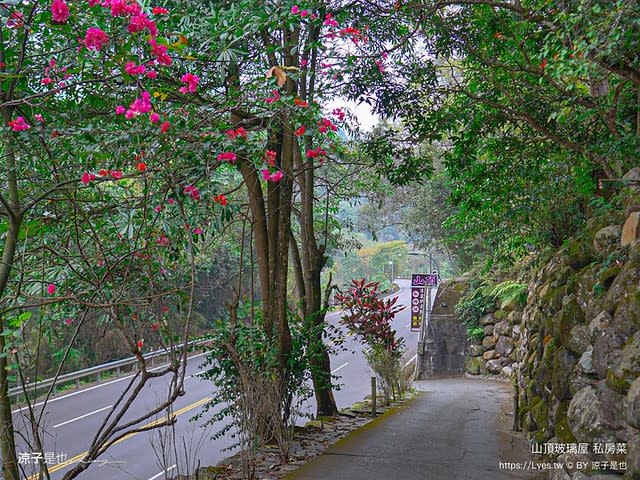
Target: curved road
x: 72, y: 419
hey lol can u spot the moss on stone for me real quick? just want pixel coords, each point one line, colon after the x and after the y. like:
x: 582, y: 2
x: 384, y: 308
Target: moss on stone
x: 580, y: 252
x: 617, y: 383
x: 540, y: 413
x: 563, y: 432
x: 570, y: 316
x: 500, y: 314
x: 608, y: 275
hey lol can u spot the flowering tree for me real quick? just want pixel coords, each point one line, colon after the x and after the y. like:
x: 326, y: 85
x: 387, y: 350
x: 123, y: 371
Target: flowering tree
x: 100, y: 212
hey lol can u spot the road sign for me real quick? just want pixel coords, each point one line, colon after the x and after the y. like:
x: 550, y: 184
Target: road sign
x: 424, y: 280
x: 417, y: 305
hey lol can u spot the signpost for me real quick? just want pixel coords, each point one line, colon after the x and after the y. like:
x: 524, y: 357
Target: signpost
x: 417, y: 307
x: 421, y: 310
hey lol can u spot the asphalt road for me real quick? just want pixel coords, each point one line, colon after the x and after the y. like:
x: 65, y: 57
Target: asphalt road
x: 459, y: 428
x: 72, y: 419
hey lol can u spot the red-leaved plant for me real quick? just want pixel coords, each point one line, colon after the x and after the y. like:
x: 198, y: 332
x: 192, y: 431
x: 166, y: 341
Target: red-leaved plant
x: 368, y: 316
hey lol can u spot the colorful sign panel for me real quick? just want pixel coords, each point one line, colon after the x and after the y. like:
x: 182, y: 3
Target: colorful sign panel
x: 417, y: 304
x: 424, y: 280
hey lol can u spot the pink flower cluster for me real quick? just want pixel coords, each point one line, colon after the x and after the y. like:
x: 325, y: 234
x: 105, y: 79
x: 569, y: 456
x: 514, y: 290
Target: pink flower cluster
x: 134, y: 70
x: 272, y: 177
x: 19, y: 124
x: 160, y: 52
x: 192, y: 191
x: 274, y: 98
x: 295, y: 10
x: 55, y: 71
x: 227, y: 157
x: 87, y: 177
x: 270, y: 157
x: 95, y: 39
x: 338, y: 112
x: 137, y: 107
x: 239, y: 132
x: 59, y: 11
x: 325, y: 124
x: 318, y: 152
x: 140, y: 22
x: 191, y: 81
x: 329, y: 21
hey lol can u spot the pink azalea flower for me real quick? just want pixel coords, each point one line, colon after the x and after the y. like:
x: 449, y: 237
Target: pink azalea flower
x: 132, y: 69
x: 120, y: 110
x: 158, y: 208
x: 39, y: 118
x: 95, y: 39
x: 118, y: 8
x: 276, y: 97
x: 197, y: 231
x: 304, y: 13
x: 162, y: 241
x: 165, y: 126
x: 272, y: 177
x: 152, y: 74
x: 159, y: 11
x: 316, y: 153
x: 59, y: 11
x: 68, y: 321
x: 193, y: 192
x: 330, y: 21
x: 140, y: 105
x: 228, y: 157
x: 46, y: 81
x: 116, y: 174
x: 154, y: 118
x: 170, y: 201
x: 19, y: 124
x: 87, y: 177
x: 140, y: 22
x: 295, y: 9
x: 160, y: 52
x: 192, y: 82
x: 51, y: 289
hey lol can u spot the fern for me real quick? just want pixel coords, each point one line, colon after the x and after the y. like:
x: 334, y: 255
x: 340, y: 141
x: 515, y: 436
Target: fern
x: 509, y: 291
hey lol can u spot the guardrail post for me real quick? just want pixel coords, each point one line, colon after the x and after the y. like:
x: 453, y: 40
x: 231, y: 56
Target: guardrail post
x: 98, y: 377
x: 374, y: 400
x: 77, y: 383
x: 117, y: 370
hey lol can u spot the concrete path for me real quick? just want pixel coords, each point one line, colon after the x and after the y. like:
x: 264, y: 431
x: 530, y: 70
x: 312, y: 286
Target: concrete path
x: 457, y: 429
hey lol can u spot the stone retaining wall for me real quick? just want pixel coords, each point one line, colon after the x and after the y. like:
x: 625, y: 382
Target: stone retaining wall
x: 574, y: 349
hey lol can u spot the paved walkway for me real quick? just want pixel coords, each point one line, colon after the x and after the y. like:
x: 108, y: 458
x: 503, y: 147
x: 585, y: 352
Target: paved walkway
x: 458, y: 429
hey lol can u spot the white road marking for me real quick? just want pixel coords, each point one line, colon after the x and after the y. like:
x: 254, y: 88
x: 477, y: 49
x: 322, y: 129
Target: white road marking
x: 82, y: 416
x: 158, y: 475
x: 340, y: 367
x: 194, y: 375
x: 100, y: 385
x: 411, y: 360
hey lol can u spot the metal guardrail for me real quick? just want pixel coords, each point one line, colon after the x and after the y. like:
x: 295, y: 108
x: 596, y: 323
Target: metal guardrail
x: 95, y: 370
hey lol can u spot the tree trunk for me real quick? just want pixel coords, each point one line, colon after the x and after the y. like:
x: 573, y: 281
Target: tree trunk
x: 14, y: 218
